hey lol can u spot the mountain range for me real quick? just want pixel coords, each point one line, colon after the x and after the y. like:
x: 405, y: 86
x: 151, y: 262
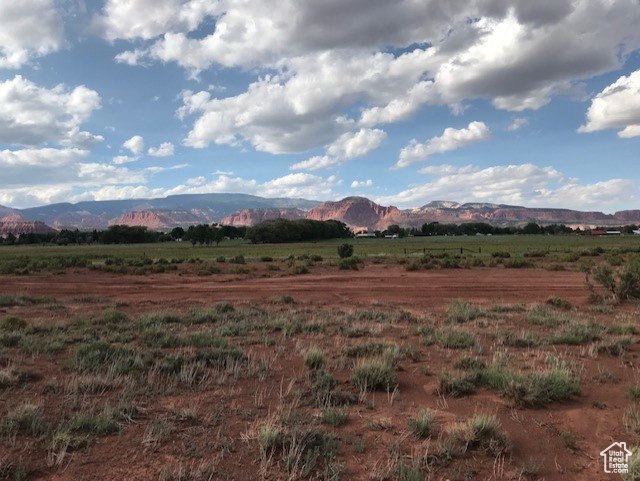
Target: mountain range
x: 359, y: 213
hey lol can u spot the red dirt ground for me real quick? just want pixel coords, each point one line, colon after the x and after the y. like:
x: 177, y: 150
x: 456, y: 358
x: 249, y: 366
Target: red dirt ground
x: 595, y: 417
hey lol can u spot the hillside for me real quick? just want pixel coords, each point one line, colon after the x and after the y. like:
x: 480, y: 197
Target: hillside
x: 359, y: 213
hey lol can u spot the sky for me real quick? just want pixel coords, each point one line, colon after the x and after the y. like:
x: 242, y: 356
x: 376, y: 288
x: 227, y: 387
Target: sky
x: 401, y: 101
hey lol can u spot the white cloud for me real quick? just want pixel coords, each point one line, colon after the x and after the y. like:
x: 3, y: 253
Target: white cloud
x: 123, y: 159
x: 146, y: 19
x: 196, y: 180
x: 361, y: 183
x: 292, y: 185
x: 517, y: 124
x: 616, y: 107
x: 32, y: 115
x: 23, y: 197
x: 400, y: 108
x: 165, y: 149
x: 451, y: 139
x: 39, y: 166
x: 302, y: 108
x: 119, y: 192
x: 348, y: 146
x: 131, y: 57
x: 298, y: 185
x: 29, y: 28
x: 135, y: 145
x: 99, y: 174
x: 516, y: 62
x: 525, y: 184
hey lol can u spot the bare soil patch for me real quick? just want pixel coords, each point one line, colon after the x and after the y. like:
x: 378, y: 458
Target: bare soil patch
x: 176, y: 376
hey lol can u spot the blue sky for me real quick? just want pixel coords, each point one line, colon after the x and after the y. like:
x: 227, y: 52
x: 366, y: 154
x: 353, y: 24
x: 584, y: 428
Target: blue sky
x: 404, y: 102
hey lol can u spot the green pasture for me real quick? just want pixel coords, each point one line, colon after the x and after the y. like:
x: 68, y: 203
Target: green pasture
x: 470, y: 246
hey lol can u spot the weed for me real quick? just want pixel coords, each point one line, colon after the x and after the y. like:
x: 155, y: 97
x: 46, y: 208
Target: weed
x: 422, y: 424
x: 540, y: 388
x: 462, y: 311
x: 270, y: 436
x: 374, y: 374
x: 455, y: 339
x: 26, y: 418
x: 457, y: 385
x: 11, y: 472
x: 205, y: 471
x: 314, y: 358
x: 558, y: 302
x: 99, y: 356
x: 576, y: 333
x: 631, y: 420
x: 349, y: 263
x: 299, y: 269
x: 569, y: 440
x: 334, y: 416
x: 634, y: 392
x: 12, y: 323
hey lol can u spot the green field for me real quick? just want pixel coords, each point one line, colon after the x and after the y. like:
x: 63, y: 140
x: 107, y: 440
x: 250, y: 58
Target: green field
x: 480, y: 246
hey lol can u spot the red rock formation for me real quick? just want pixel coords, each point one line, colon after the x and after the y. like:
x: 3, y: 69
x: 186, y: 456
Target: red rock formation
x: 356, y: 212
x: 159, y: 219
x: 360, y: 213
x: 249, y: 217
x: 16, y: 225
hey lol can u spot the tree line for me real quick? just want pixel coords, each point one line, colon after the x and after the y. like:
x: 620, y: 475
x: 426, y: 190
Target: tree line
x: 277, y: 231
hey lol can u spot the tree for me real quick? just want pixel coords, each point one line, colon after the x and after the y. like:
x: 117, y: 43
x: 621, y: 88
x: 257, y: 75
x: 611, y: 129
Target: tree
x: 177, y: 233
x: 531, y: 228
x: 345, y: 250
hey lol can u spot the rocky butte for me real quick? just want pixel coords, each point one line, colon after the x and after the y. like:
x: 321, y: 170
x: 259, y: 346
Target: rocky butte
x: 359, y: 213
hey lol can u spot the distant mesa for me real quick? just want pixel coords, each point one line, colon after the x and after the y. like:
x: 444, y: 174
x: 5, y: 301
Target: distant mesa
x: 16, y: 225
x: 359, y: 213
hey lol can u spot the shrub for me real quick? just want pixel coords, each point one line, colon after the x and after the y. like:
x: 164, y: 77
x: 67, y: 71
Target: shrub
x: 334, y: 416
x: 559, y: 303
x: 26, y: 419
x: 239, y: 259
x: 12, y: 323
x: 470, y: 364
x: 99, y: 356
x: 455, y: 339
x: 633, y: 467
x: 113, y: 316
x: 542, y: 316
x: 374, y: 374
x: 422, y: 424
x: 102, y: 424
x: 460, y: 311
x: 487, y: 434
x: 372, y: 348
x: 456, y: 386
x: 518, y: 263
x: 269, y: 436
x: 576, y: 333
x: 345, y: 250
x: 266, y: 259
x: 501, y: 255
x: 298, y: 269
x: 314, y: 358
x: 348, y: 263
x: 538, y: 389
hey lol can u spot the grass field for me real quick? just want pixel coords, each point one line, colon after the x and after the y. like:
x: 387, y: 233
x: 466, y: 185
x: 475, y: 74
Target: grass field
x: 473, y: 245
